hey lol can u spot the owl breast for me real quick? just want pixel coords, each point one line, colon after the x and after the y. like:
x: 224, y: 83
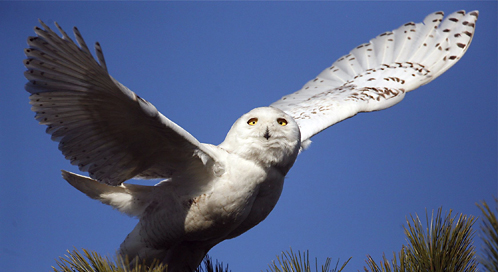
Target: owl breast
x: 238, y: 200
x: 265, y: 200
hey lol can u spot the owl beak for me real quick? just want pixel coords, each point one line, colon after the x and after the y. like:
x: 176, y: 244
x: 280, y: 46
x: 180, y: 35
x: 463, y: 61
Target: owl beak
x: 267, y: 134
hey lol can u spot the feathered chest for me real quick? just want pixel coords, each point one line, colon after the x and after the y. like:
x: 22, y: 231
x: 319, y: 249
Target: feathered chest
x: 245, y: 191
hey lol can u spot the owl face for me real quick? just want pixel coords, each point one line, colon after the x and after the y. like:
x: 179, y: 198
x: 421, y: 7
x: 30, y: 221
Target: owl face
x: 265, y: 134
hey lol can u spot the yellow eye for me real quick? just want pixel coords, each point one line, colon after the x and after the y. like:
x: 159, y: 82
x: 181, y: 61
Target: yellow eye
x: 252, y: 121
x: 282, y: 121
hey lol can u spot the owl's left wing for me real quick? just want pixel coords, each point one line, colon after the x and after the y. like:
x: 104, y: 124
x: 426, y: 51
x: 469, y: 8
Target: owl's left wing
x: 378, y: 74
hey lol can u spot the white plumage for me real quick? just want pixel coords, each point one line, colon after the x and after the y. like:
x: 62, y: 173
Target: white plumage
x: 378, y: 74
x: 212, y: 193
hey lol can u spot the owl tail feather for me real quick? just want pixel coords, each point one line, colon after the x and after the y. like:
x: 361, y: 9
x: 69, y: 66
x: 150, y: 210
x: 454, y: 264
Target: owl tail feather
x: 127, y: 198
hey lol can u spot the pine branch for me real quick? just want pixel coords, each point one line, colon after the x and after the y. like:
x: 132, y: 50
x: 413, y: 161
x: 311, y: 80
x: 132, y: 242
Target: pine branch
x: 444, y: 245
x: 87, y: 261
x: 292, y: 262
x: 75, y: 261
x: 489, y: 229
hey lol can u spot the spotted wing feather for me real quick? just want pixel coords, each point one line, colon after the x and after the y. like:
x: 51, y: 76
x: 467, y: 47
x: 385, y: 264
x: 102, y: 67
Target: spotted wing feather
x: 378, y: 74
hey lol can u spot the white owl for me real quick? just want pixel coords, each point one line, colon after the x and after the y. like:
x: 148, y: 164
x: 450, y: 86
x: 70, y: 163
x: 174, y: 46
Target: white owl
x: 212, y: 193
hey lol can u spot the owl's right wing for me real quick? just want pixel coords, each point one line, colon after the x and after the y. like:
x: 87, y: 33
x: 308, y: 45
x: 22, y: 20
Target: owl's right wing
x: 378, y: 74
x: 102, y: 127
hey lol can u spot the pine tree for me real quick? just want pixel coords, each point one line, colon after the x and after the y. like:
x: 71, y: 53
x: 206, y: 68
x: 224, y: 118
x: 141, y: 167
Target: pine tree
x: 445, y: 244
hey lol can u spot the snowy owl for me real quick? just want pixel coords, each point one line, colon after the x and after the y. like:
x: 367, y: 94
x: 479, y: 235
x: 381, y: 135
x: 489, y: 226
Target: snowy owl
x: 211, y: 193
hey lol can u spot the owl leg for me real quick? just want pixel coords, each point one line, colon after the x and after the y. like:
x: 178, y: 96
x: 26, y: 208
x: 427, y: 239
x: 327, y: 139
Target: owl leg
x: 186, y: 256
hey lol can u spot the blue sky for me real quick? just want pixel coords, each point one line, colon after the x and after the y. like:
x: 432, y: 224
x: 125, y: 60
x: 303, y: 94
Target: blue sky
x: 203, y: 64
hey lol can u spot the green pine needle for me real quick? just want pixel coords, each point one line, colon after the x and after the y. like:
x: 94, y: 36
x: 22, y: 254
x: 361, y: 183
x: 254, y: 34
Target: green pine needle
x: 489, y: 231
x: 87, y: 261
x: 292, y: 262
x: 444, y: 245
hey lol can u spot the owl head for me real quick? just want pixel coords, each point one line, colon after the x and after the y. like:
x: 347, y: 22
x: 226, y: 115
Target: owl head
x: 265, y: 135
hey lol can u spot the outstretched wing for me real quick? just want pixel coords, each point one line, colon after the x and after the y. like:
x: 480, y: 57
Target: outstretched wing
x: 102, y: 126
x: 377, y: 75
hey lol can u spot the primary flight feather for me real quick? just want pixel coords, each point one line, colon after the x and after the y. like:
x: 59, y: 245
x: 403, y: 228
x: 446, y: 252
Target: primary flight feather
x: 212, y: 193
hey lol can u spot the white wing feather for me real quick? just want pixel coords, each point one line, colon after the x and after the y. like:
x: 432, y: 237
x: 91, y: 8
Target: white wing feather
x: 377, y: 75
x: 102, y: 126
